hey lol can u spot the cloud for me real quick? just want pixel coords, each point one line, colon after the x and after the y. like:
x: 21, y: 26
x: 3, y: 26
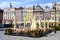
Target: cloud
x: 42, y: 5
x: 6, y: 4
x: 28, y: 6
x: 24, y: 3
x: 47, y: 4
x: 58, y: 2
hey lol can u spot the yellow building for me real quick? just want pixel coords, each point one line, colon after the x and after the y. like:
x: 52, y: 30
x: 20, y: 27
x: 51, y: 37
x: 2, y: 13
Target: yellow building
x: 29, y: 14
x: 57, y: 14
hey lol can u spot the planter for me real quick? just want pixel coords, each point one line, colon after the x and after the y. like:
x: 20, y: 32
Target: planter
x: 36, y: 33
x: 31, y: 33
x: 8, y: 31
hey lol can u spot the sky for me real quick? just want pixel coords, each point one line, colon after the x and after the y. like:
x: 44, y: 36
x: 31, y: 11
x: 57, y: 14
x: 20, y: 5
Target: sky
x: 27, y: 3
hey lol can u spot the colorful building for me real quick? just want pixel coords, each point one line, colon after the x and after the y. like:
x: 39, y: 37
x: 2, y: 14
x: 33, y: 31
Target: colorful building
x: 1, y: 16
x: 8, y: 15
x: 19, y: 12
x: 47, y: 13
x: 38, y: 11
x: 57, y: 11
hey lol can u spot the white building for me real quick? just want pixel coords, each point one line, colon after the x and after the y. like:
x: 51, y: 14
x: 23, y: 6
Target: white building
x: 8, y: 15
x: 47, y: 13
x: 38, y: 11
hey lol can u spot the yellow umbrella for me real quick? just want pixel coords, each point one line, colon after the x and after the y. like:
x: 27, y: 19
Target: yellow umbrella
x: 33, y: 25
x: 24, y: 22
x: 40, y: 22
x: 44, y: 24
x: 14, y: 21
x: 48, y: 24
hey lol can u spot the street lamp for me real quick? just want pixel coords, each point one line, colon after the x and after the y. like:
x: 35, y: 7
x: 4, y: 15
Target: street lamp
x: 55, y: 17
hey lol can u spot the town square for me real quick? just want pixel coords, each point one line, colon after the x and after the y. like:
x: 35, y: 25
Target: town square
x: 30, y: 20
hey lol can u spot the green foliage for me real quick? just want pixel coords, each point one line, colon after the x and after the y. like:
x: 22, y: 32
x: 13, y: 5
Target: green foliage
x: 57, y: 28
x: 33, y: 31
x: 8, y: 31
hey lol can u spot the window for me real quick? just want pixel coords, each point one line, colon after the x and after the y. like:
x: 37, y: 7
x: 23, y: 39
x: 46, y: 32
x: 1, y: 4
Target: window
x: 59, y: 18
x: 53, y: 18
x: 53, y: 13
x: 57, y: 12
x: 37, y: 17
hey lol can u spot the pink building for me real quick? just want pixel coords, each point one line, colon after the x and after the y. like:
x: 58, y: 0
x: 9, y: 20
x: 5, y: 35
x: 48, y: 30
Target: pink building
x: 18, y: 14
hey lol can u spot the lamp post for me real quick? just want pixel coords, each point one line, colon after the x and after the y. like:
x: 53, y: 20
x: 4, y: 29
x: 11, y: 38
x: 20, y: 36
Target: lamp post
x: 55, y: 17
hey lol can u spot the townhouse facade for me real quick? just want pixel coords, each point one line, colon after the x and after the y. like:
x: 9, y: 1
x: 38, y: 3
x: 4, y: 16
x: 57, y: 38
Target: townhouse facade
x: 38, y: 12
x: 8, y: 15
x: 47, y: 13
x: 19, y: 12
x: 27, y: 13
x: 1, y: 16
x: 57, y: 11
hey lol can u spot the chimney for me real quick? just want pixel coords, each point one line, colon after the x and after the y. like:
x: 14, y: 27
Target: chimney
x: 33, y: 7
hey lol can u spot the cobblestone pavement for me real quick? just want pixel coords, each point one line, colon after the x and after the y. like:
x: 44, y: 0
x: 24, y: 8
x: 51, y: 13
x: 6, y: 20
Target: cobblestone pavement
x: 51, y: 36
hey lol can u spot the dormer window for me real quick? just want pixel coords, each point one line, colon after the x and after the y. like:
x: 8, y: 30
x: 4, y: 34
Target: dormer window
x: 38, y: 7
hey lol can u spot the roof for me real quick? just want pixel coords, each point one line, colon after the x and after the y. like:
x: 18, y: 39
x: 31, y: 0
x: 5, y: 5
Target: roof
x: 38, y: 7
x: 19, y: 8
x: 1, y: 11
